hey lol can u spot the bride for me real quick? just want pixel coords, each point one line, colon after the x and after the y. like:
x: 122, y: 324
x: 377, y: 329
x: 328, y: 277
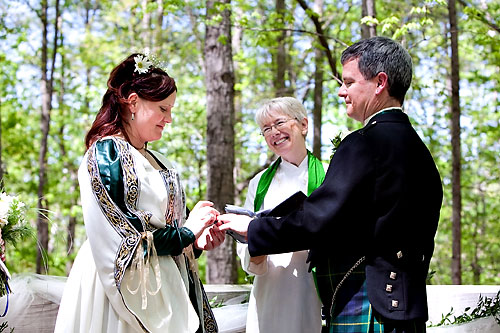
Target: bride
x: 137, y: 270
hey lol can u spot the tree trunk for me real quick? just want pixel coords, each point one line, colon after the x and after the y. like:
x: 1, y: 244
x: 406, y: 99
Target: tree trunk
x: 280, y: 55
x: 68, y: 164
x: 46, y: 89
x: 368, y: 9
x: 219, y: 79
x: 456, y: 266
x: 477, y: 235
x: 146, y: 26
x: 42, y: 223
x: 158, y: 31
x: 318, y: 91
x: 237, y: 37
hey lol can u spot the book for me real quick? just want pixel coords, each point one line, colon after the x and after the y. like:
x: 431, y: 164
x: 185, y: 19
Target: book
x: 292, y: 203
x: 232, y: 209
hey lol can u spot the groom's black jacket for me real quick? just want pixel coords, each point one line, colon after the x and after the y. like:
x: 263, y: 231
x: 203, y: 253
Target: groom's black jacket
x: 381, y: 199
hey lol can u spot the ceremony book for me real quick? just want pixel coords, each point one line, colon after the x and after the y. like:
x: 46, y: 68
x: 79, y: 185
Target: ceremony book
x: 287, y: 206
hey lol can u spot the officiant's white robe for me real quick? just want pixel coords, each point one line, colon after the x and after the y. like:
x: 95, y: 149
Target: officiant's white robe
x: 283, y: 296
x: 102, y: 293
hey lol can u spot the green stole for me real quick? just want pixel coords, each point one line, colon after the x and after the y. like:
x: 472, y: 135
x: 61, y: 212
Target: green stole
x: 316, y: 175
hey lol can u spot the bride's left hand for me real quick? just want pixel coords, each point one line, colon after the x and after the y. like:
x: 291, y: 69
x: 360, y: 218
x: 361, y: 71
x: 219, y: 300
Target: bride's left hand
x: 210, y: 238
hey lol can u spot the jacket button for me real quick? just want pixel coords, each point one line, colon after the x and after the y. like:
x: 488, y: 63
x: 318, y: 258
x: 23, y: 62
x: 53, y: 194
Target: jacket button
x: 388, y: 288
x: 399, y: 254
x: 395, y: 303
x: 393, y: 276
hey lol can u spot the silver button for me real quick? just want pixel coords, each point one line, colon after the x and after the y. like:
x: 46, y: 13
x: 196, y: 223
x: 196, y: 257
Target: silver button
x: 399, y: 254
x: 388, y: 288
x: 423, y: 257
x: 395, y: 303
x: 393, y: 276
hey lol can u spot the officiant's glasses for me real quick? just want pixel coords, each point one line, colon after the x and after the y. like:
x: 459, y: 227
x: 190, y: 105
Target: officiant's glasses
x: 278, y: 125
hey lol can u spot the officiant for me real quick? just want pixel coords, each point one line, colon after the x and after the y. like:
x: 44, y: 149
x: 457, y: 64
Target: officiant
x: 283, y: 123
x: 370, y: 226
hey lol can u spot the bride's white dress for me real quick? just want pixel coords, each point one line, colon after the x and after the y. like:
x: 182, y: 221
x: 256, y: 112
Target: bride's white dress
x: 103, y: 293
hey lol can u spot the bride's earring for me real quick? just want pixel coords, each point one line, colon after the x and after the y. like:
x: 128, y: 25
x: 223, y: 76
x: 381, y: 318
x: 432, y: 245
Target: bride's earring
x: 133, y: 116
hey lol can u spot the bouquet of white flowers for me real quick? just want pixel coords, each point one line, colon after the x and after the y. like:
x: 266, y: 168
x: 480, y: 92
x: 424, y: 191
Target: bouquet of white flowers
x: 13, y: 227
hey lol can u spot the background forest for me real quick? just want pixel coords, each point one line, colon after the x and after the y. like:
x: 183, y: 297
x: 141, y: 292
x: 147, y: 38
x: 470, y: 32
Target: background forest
x: 226, y: 57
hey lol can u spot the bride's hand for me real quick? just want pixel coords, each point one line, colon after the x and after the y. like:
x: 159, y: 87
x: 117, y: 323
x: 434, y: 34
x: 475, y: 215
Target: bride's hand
x: 210, y: 238
x: 202, y: 216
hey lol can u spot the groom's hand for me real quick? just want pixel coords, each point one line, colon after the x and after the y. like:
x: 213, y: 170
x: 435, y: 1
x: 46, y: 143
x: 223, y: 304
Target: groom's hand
x: 235, y: 222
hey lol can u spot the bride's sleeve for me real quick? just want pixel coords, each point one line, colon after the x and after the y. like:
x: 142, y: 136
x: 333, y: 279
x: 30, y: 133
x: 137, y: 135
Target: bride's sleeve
x: 170, y: 240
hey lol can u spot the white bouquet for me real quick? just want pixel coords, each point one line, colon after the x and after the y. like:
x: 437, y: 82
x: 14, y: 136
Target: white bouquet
x: 13, y: 227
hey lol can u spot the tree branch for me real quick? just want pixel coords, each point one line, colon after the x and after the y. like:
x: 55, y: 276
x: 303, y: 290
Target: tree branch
x: 322, y: 39
x: 57, y: 23
x: 290, y: 30
x: 482, y: 16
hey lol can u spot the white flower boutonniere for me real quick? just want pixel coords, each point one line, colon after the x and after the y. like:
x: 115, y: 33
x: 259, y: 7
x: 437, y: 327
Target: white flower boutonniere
x: 142, y: 64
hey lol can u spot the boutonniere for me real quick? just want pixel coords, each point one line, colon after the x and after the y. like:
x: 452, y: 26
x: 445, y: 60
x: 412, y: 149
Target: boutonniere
x: 336, y: 142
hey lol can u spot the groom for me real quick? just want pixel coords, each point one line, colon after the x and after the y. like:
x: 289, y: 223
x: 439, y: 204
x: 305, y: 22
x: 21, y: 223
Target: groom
x: 370, y: 226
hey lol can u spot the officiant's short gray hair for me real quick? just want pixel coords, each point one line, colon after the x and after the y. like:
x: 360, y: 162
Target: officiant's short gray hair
x: 288, y: 106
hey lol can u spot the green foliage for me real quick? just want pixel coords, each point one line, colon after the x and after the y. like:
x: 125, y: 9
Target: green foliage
x: 175, y: 32
x: 4, y: 326
x: 335, y: 143
x: 486, y: 307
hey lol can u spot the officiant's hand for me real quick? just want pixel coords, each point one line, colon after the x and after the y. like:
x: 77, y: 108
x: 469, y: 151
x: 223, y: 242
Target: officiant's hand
x: 235, y: 222
x: 210, y: 238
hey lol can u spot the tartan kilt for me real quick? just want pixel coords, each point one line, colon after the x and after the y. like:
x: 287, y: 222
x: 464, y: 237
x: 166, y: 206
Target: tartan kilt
x: 357, y: 316
x: 352, y: 311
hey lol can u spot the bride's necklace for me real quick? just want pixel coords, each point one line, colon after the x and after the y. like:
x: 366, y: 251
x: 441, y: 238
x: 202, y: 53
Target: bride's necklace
x: 143, y: 151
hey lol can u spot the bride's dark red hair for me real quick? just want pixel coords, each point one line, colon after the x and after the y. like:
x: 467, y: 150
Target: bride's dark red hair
x: 155, y: 85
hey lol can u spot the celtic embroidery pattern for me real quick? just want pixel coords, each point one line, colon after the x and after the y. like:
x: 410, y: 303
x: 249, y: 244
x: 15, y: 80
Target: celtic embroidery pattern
x: 130, y: 236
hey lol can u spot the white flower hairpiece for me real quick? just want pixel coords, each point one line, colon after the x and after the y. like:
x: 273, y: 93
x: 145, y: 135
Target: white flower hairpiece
x: 142, y: 64
x: 146, y: 60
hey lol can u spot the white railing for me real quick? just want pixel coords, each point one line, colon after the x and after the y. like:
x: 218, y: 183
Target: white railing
x: 33, y: 305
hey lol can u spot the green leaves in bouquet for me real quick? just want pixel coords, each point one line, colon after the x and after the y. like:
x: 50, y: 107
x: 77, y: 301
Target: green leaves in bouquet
x: 17, y: 228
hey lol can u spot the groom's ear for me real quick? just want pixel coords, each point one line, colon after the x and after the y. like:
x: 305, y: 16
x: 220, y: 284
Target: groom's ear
x: 382, y: 82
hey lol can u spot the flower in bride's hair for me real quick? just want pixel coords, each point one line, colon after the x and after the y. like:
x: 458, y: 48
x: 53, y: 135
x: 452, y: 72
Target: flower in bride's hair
x: 142, y: 64
x: 155, y: 60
